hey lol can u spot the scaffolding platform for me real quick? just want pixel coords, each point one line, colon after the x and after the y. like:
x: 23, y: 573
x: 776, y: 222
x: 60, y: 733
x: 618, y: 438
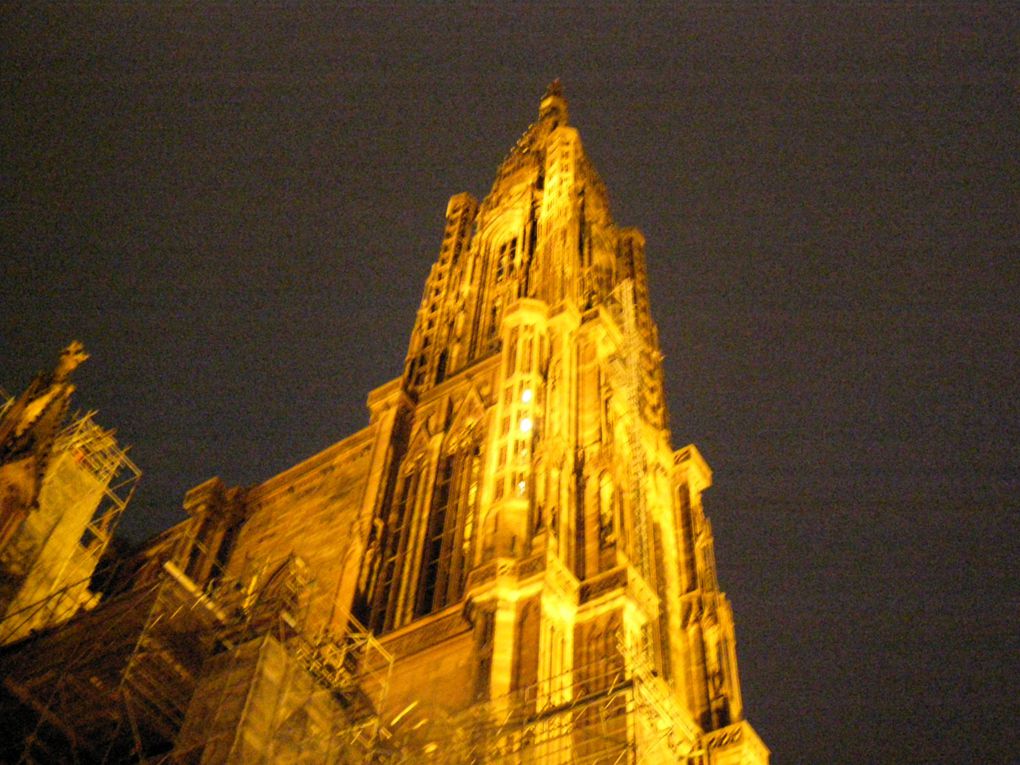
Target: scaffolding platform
x: 47, y: 563
x: 167, y: 673
x: 111, y: 684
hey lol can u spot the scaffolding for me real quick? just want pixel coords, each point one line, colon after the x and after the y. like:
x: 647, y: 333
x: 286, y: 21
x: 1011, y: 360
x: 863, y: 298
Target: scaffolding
x: 89, y: 481
x: 96, y: 451
x: 620, y: 714
x: 161, y: 672
x: 277, y: 692
x: 172, y: 673
x: 111, y: 684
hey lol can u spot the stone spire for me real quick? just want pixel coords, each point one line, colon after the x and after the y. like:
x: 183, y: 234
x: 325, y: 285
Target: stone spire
x: 553, y: 105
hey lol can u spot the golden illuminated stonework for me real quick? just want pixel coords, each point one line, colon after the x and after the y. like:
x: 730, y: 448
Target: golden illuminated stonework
x: 64, y: 482
x: 509, y: 564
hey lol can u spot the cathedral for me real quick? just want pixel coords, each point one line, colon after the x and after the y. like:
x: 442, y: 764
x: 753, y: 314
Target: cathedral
x: 509, y: 564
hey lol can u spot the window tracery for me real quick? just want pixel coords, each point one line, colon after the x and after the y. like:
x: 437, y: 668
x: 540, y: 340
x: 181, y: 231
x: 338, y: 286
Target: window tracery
x: 384, y: 612
x: 448, y: 542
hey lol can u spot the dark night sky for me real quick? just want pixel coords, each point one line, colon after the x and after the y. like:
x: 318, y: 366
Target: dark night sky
x: 234, y: 207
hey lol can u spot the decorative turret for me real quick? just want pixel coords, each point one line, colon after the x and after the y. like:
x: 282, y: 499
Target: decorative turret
x: 28, y: 428
x: 64, y: 483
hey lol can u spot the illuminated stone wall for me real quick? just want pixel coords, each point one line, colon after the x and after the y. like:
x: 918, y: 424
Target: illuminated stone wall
x: 509, y: 563
x: 514, y: 522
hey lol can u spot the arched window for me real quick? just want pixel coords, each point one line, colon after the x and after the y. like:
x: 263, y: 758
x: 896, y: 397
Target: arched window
x: 386, y: 596
x: 447, y: 547
x: 506, y: 259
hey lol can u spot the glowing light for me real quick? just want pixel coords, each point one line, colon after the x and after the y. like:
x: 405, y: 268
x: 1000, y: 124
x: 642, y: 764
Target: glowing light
x: 522, y: 486
x: 526, y: 425
x: 527, y: 396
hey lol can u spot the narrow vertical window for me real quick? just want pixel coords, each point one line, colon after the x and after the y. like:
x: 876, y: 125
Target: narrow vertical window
x: 385, y: 598
x: 441, y: 367
x: 226, y: 547
x: 432, y: 561
x: 449, y: 534
x: 473, y: 477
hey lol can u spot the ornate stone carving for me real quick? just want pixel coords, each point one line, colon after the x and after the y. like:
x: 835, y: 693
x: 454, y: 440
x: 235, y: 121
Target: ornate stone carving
x: 427, y: 633
x: 610, y: 580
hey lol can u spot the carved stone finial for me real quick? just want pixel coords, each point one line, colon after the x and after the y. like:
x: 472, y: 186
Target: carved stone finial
x: 70, y: 359
x: 553, y: 106
x: 32, y: 421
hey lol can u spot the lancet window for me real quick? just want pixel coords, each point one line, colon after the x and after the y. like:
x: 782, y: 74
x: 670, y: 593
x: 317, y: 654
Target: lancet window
x: 447, y: 546
x: 387, y: 590
x: 505, y: 259
x: 502, y: 288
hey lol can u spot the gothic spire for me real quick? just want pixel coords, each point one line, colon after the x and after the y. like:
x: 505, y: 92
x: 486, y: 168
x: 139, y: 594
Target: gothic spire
x: 553, y: 105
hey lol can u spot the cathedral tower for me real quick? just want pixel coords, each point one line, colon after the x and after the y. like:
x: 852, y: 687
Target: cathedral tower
x: 531, y: 492
x: 510, y: 563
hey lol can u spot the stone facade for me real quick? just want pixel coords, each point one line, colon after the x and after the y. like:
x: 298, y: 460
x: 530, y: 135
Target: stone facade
x: 513, y: 528
x: 514, y: 523
x: 64, y: 482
